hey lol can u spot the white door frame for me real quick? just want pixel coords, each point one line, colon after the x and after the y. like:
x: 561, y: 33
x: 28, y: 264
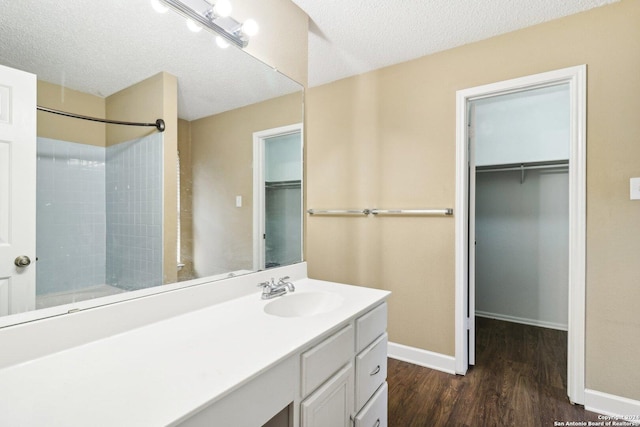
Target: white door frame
x: 259, y: 190
x: 576, y: 77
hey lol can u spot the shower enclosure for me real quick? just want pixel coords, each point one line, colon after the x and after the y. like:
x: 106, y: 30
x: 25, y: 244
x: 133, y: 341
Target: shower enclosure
x: 98, y: 220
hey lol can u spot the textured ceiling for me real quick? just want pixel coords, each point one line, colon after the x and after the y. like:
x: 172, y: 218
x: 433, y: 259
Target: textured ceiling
x: 100, y: 47
x: 349, y: 37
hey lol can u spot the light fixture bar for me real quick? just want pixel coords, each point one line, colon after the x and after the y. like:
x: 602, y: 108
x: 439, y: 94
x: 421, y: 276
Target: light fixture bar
x: 187, y: 12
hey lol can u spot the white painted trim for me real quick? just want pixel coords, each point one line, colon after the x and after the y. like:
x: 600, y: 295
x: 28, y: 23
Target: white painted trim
x: 471, y: 230
x: 577, y: 236
x: 522, y: 320
x: 258, y: 187
x: 420, y: 357
x: 258, y: 202
x: 611, y: 405
x: 576, y: 77
x: 461, y: 237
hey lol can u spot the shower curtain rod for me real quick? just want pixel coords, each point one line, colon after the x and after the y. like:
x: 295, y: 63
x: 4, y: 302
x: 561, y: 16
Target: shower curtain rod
x: 159, y: 124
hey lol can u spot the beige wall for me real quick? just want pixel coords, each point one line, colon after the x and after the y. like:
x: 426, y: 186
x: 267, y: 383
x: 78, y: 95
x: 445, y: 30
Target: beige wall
x: 371, y: 143
x: 151, y: 99
x: 142, y: 102
x: 282, y: 39
x: 222, y: 162
x: 387, y: 139
x: 65, y: 128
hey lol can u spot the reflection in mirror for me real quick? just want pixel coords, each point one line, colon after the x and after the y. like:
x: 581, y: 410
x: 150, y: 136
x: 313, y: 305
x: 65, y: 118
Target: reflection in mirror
x: 123, y: 208
x: 283, y: 199
x: 278, y: 178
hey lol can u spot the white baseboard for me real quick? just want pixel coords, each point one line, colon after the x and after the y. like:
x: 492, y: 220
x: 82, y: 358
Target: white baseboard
x: 523, y: 320
x: 619, y: 408
x: 420, y: 357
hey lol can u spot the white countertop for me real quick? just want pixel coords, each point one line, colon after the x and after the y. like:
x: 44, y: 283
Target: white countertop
x: 157, y: 374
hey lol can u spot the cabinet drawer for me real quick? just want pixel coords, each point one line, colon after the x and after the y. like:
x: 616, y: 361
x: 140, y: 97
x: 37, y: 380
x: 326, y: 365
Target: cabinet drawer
x: 374, y: 413
x: 371, y: 370
x: 323, y: 360
x: 371, y: 326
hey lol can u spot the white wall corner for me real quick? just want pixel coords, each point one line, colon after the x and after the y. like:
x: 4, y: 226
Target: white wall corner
x: 417, y: 356
x: 523, y: 320
x: 618, y: 407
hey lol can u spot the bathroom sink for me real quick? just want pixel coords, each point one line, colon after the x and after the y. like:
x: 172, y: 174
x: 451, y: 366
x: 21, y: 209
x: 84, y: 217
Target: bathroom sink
x: 303, y: 304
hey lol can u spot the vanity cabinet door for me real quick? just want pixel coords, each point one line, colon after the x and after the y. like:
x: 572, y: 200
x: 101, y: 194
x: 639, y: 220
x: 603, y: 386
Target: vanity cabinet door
x: 332, y: 404
x: 374, y: 413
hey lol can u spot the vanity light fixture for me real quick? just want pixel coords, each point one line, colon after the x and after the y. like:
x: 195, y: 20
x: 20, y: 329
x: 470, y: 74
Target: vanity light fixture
x: 159, y: 7
x: 193, y: 26
x: 215, y: 17
x: 250, y: 27
x: 220, y: 8
x: 222, y: 43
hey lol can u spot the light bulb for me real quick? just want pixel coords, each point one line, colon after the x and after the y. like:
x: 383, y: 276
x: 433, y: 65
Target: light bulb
x: 250, y: 27
x: 222, y: 8
x: 191, y: 24
x: 222, y: 43
x: 159, y: 7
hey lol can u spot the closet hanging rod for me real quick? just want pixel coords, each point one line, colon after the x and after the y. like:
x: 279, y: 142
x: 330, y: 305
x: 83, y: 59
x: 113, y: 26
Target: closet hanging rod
x: 282, y: 184
x: 381, y: 211
x: 412, y: 211
x: 338, y: 212
x: 159, y: 124
x: 522, y: 166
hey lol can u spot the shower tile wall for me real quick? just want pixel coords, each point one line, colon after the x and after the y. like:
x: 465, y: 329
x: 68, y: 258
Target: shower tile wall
x: 70, y: 213
x: 134, y: 213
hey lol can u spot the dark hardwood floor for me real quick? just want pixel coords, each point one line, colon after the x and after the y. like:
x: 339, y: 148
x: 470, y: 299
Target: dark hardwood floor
x: 519, y: 380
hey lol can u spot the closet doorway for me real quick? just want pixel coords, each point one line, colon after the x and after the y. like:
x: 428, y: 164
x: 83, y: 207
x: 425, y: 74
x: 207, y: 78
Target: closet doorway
x: 520, y: 150
x: 277, y: 197
x: 527, y: 186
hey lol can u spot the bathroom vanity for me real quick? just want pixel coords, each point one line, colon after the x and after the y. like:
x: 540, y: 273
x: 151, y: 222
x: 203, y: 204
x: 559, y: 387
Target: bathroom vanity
x: 223, y: 357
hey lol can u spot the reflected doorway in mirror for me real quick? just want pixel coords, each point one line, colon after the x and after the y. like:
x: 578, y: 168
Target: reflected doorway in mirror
x: 277, y: 232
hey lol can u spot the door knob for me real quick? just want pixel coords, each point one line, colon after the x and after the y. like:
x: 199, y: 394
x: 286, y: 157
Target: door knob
x: 22, y: 261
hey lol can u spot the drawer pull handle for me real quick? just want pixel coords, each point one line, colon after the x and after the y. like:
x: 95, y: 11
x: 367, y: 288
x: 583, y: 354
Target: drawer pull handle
x: 377, y: 424
x: 375, y: 371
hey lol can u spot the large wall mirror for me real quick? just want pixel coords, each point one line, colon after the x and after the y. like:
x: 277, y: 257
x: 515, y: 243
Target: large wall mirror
x: 125, y: 208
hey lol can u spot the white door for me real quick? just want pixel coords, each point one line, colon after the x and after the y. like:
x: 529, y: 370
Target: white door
x: 471, y: 304
x: 17, y: 191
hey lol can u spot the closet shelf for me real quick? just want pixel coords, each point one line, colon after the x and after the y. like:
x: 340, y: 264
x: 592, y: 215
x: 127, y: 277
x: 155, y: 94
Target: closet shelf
x: 283, y: 184
x: 523, y: 167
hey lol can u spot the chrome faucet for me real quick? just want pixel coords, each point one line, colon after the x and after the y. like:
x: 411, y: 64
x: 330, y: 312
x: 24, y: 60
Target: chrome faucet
x: 271, y: 289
